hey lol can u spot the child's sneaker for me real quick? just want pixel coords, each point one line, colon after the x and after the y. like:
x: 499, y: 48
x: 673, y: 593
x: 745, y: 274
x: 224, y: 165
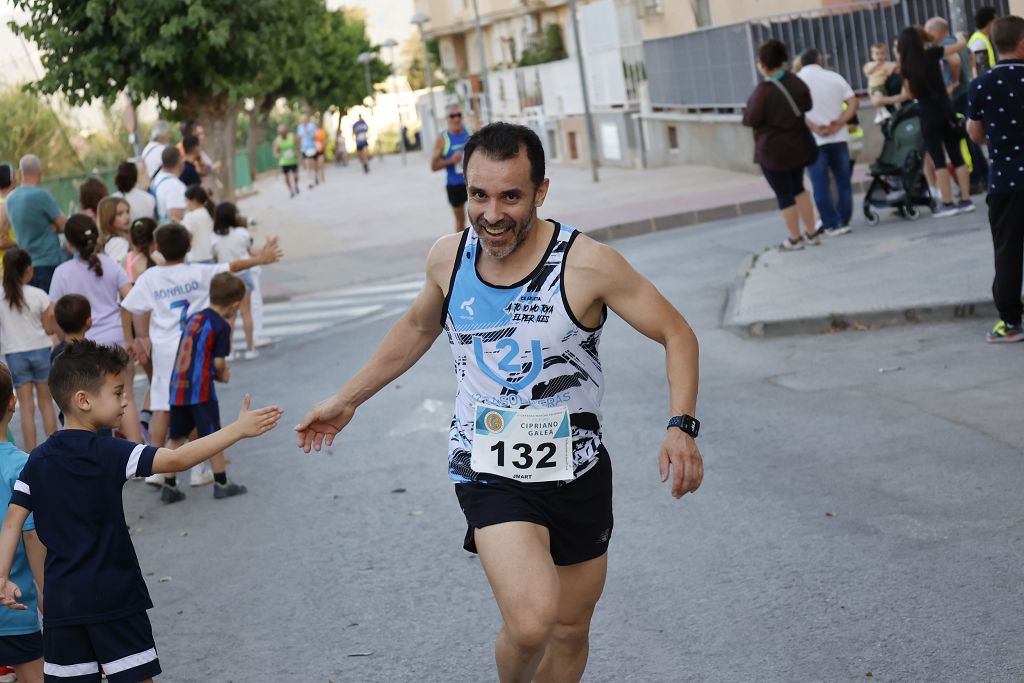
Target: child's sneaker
x: 202, y: 474
x: 7, y: 675
x: 1005, y: 334
x: 251, y: 354
x: 156, y: 480
x: 228, y: 490
x: 965, y: 206
x: 945, y: 211
x: 171, y: 494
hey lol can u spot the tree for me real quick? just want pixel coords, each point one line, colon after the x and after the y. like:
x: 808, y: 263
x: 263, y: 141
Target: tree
x: 200, y: 58
x: 31, y: 127
x: 550, y: 48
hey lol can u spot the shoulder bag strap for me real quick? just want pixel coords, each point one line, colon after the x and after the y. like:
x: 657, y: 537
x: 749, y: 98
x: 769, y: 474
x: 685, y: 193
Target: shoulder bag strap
x: 789, y: 98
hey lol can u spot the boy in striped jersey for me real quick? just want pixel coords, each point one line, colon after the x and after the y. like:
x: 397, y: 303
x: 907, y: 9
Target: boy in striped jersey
x: 202, y: 360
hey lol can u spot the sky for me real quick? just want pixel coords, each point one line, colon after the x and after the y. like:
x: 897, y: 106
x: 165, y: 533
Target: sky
x: 385, y: 18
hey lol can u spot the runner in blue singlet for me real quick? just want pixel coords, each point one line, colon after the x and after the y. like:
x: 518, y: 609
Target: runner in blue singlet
x: 448, y: 155
x: 361, y: 132
x: 523, y: 302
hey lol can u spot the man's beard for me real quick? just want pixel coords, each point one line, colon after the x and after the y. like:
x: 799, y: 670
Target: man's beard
x: 519, y: 232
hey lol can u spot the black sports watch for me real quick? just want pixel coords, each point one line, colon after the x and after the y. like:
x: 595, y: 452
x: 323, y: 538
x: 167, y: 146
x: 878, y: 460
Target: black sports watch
x: 687, y: 423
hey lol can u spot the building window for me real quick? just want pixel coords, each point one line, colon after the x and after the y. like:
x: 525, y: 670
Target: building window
x: 673, y: 138
x: 648, y: 8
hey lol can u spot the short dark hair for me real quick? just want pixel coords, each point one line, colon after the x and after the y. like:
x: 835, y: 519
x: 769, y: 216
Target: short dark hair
x: 188, y: 127
x: 72, y: 311
x: 126, y: 177
x: 173, y: 241
x: 189, y: 143
x: 84, y: 366
x: 6, y: 385
x: 170, y: 157
x: 503, y: 141
x: 226, y: 289
x: 984, y: 16
x: 90, y: 192
x: 773, y: 53
x: 6, y: 175
x: 810, y: 56
x: 1007, y: 33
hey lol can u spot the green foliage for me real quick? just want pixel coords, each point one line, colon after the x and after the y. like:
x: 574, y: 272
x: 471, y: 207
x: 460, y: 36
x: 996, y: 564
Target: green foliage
x: 331, y: 73
x: 31, y: 128
x: 412, y: 52
x: 550, y: 48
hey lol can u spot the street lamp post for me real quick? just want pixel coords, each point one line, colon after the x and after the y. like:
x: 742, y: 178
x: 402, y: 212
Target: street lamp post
x: 587, y: 118
x: 390, y: 43
x: 483, y: 66
x: 421, y: 18
x: 365, y: 58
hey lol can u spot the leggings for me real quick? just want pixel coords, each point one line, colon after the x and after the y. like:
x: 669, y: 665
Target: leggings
x: 940, y: 131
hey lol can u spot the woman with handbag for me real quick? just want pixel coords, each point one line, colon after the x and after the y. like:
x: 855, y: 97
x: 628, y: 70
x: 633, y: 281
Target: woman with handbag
x: 783, y: 145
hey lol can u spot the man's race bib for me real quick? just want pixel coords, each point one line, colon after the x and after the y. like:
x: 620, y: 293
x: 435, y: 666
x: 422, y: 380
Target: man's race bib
x: 288, y: 154
x: 525, y: 445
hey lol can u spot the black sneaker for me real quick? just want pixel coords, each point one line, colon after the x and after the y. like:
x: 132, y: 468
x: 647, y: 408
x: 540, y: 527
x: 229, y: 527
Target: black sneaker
x: 228, y: 490
x: 171, y: 494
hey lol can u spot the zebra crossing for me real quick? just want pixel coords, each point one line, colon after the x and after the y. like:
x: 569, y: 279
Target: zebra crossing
x: 310, y: 314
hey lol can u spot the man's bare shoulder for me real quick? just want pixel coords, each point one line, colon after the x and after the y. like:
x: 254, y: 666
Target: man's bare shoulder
x: 591, y: 255
x: 441, y: 259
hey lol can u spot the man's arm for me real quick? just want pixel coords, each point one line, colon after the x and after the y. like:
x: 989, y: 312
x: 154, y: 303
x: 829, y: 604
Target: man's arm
x: 436, y: 162
x: 10, y: 535
x: 250, y: 423
x: 960, y: 44
x: 58, y: 223
x: 176, y: 215
x: 636, y: 300
x: 976, y: 131
x: 409, y: 338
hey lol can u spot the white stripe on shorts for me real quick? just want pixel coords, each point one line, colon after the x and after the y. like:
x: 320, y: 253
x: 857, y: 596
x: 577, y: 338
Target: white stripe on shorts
x: 70, y: 670
x: 129, y: 662
x: 23, y: 487
x: 133, y: 461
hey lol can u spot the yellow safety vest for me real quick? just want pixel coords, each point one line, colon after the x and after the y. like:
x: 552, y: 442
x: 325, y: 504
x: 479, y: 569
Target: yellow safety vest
x: 988, y: 47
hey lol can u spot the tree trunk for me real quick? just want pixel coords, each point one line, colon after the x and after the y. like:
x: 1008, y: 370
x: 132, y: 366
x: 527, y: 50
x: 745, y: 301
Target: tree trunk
x: 220, y: 118
x: 255, y: 133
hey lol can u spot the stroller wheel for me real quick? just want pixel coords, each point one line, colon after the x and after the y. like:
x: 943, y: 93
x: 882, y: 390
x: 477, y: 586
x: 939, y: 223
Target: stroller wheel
x: 872, y: 215
x: 913, y: 213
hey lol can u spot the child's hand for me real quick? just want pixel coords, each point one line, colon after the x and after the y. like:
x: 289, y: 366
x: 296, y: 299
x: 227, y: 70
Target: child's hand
x: 259, y: 421
x: 9, y: 594
x: 270, y: 252
x: 224, y: 375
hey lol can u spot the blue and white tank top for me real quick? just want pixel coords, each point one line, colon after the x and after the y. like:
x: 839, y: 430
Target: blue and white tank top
x: 454, y: 142
x: 519, y: 346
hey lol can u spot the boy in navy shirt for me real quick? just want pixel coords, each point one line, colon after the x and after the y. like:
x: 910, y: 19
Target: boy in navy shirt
x: 96, y: 598
x: 202, y: 358
x: 21, y: 639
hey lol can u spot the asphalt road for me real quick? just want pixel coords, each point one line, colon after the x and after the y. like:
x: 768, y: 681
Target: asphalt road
x: 852, y: 522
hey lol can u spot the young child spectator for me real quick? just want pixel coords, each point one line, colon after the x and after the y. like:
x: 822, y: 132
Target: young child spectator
x: 878, y: 71
x: 90, y: 192
x: 114, y: 220
x: 143, y: 254
x: 74, y: 318
x: 126, y: 180
x: 190, y: 150
x: 26, y: 318
x: 96, y: 597
x: 160, y: 303
x: 104, y: 283
x: 231, y: 241
x: 202, y: 359
x: 21, y: 640
x: 199, y: 212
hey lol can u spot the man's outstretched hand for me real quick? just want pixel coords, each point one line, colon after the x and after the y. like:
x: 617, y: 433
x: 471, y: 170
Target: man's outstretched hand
x: 322, y: 423
x: 681, y: 458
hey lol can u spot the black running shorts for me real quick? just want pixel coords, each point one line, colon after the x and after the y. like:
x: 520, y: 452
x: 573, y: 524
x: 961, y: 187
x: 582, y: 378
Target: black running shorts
x: 457, y: 195
x: 123, y: 648
x: 577, y: 515
x: 290, y: 168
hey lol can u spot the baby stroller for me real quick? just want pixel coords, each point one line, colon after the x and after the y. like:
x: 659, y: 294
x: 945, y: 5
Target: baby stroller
x: 897, y: 177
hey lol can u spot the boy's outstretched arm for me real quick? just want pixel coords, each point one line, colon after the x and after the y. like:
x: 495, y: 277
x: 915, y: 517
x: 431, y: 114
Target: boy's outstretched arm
x: 10, y: 535
x: 250, y: 423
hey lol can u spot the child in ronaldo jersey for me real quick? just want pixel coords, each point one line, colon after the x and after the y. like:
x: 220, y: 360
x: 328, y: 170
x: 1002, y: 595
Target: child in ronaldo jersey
x: 96, y: 598
x: 201, y: 360
x: 161, y: 301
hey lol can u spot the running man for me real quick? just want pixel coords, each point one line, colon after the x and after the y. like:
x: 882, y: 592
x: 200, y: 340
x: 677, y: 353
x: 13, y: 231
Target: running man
x: 361, y: 133
x: 320, y: 139
x: 448, y: 155
x: 307, y: 145
x: 523, y: 301
x: 286, y: 151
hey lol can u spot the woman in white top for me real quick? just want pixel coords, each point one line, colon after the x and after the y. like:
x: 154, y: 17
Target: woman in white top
x: 231, y: 242
x: 199, y: 221
x: 142, y: 203
x: 104, y: 283
x: 26, y: 319
x: 114, y: 219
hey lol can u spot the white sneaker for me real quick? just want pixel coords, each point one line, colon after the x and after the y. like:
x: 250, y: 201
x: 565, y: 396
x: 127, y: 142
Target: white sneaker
x: 234, y: 355
x: 156, y: 480
x: 263, y: 341
x: 881, y: 115
x: 251, y: 354
x: 202, y: 474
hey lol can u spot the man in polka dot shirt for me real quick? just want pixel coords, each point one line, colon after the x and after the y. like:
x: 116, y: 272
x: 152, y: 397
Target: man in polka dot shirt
x: 996, y: 114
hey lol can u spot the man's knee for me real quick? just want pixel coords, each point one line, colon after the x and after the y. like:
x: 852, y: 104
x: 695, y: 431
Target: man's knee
x: 531, y: 631
x: 572, y: 636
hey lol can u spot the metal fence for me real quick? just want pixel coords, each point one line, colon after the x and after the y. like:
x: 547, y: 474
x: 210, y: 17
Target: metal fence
x: 716, y: 67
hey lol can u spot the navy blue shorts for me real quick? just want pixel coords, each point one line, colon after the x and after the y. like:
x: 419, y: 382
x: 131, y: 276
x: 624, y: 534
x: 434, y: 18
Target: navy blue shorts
x: 203, y: 417
x: 124, y: 648
x: 16, y: 650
